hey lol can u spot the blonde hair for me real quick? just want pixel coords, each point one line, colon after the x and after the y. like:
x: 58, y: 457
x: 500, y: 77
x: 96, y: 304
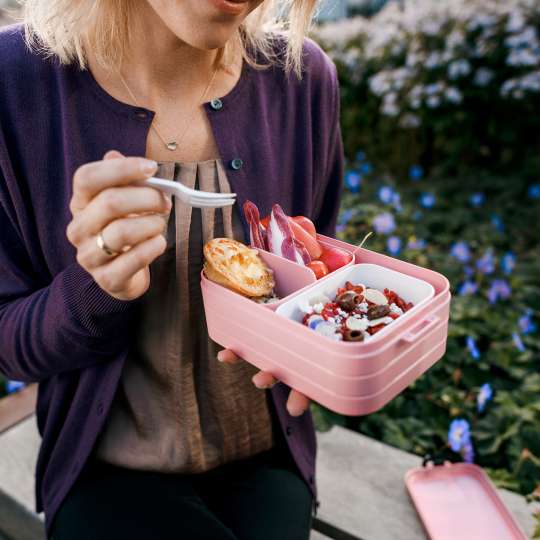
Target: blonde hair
x: 62, y: 28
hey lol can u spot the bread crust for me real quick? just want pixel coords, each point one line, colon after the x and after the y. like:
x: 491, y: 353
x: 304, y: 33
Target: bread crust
x: 238, y: 267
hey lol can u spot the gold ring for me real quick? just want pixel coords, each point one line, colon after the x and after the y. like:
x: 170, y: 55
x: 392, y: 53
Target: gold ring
x: 102, y: 245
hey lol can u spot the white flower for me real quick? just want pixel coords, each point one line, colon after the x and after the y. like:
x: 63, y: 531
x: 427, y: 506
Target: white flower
x: 389, y: 106
x: 507, y: 87
x: 516, y: 21
x: 453, y: 95
x: 433, y: 102
x: 380, y: 84
x: 434, y: 60
x: 459, y: 68
x: 523, y: 57
x: 483, y: 76
x: 434, y: 88
x: 454, y: 39
x: 409, y: 121
x: 527, y: 38
x: 482, y: 20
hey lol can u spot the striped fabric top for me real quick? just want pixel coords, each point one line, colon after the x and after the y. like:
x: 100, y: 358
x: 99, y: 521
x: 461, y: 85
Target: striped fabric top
x: 177, y: 408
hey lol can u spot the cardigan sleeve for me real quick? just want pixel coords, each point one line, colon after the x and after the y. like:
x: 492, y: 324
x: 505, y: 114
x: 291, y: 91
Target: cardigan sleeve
x: 69, y: 324
x: 326, y: 219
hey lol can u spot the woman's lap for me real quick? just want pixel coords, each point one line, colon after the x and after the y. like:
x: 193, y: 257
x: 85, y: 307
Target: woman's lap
x: 260, y: 498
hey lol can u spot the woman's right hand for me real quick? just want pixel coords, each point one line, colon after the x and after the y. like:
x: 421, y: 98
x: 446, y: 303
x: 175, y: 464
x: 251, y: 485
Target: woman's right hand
x: 131, y: 219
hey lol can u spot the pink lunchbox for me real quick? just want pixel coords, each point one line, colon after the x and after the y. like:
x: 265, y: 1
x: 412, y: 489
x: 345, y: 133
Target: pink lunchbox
x: 350, y: 378
x: 459, y: 501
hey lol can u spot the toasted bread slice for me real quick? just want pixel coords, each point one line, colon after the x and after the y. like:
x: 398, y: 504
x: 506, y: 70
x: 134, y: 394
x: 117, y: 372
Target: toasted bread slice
x: 238, y: 267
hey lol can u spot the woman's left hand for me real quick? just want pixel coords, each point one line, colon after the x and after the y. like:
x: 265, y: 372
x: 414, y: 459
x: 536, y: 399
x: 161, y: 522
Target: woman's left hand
x: 297, y: 402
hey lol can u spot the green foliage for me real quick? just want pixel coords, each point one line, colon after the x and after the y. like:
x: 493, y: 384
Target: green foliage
x: 506, y: 435
x: 449, y: 88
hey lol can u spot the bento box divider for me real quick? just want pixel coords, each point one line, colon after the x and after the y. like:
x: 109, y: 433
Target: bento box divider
x: 289, y: 276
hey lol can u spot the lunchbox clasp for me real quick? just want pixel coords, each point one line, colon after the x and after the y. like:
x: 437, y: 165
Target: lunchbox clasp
x: 423, y: 328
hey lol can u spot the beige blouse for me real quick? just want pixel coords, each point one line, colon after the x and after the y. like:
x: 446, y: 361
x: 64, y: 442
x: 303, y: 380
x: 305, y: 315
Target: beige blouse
x: 176, y: 407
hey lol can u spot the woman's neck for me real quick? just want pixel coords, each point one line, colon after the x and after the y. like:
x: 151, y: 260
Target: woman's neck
x: 160, y: 67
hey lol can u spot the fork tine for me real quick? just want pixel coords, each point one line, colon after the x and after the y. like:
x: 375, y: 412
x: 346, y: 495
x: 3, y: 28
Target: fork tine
x: 211, y: 204
x: 212, y: 201
x: 205, y: 194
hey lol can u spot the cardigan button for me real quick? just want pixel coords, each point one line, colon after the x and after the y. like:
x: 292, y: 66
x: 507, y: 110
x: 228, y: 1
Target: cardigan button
x: 216, y: 104
x: 236, y: 163
x: 142, y: 114
x: 288, y: 430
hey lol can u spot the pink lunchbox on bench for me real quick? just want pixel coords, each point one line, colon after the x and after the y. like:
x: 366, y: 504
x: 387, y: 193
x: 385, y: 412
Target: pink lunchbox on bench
x: 459, y: 501
x: 350, y: 378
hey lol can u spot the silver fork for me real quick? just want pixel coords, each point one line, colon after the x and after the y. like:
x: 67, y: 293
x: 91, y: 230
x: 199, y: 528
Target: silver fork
x: 193, y: 197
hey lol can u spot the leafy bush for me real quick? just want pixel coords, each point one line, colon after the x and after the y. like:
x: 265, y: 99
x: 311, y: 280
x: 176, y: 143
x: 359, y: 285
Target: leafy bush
x: 452, y: 86
x: 443, y: 165
x: 483, y: 238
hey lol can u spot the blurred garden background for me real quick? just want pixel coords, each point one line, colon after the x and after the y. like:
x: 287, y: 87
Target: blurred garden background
x: 440, y: 116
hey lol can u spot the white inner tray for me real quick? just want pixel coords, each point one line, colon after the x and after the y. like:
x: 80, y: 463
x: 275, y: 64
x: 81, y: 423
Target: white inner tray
x: 373, y: 276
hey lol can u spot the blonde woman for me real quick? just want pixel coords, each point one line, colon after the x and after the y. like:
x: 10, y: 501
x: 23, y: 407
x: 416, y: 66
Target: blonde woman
x: 144, y: 433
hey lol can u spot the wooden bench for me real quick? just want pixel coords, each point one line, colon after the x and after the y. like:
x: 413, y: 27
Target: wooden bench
x: 360, y: 480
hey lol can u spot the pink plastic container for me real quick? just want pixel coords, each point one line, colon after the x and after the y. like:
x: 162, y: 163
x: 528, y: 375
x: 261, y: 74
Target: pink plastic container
x: 351, y: 378
x: 459, y: 501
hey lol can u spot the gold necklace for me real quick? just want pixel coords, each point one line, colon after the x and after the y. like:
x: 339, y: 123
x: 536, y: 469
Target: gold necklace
x: 172, y: 145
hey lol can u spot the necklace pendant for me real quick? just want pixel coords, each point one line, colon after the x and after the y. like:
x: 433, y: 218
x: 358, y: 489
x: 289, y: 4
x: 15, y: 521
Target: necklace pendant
x: 173, y: 145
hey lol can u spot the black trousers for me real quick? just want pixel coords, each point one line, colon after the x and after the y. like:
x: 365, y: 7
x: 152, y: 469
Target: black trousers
x: 262, y: 497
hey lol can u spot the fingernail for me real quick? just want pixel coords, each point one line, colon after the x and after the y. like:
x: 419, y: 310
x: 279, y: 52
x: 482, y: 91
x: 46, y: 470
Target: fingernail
x: 220, y: 356
x: 148, y: 166
x: 296, y: 412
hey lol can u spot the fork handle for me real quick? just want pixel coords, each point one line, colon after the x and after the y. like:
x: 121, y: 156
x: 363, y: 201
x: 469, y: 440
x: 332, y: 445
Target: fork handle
x: 167, y: 186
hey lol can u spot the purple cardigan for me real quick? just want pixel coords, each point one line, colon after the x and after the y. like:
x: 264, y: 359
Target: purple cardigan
x: 281, y: 141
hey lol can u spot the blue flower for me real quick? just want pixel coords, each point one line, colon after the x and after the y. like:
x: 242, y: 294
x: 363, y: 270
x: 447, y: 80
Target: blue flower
x: 384, y: 223
x: 360, y: 156
x: 526, y: 324
x: 460, y: 251
x: 386, y: 194
x: 485, y: 395
x: 416, y: 243
x: 477, y: 199
x: 472, y: 348
x: 393, y: 245
x: 366, y: 168
x: 396, y: 202
x: 416, y: 172
x: 345, y: 216
x: 418, y: 215
x: 468, y: 271
x: 508, y: 262
x: 353, y: 181
x: 497, y: 222
x: 486, y: 263
x: 520, y: 346
x: 14, y: 386
x: 459, y: 439
x: 467, y: 452
x: 500, y: 289
x: 534, y: 191
x: 468, y: 287
x: 427, y: 200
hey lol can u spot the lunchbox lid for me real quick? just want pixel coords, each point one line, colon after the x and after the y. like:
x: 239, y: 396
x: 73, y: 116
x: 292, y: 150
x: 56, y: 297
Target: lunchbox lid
x: 459, y: 501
